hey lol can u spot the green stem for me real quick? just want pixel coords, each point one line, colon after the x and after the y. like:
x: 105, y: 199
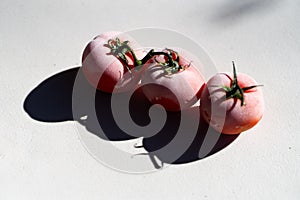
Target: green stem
x: 235, y: 91
x: 152, y: 53
x: 137, y: 62
x: 119, y: 49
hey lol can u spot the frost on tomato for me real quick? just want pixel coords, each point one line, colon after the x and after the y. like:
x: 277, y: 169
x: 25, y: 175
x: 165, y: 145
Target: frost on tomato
x: 105, y: 71
x: 176, y: 91
x: 226, y: 110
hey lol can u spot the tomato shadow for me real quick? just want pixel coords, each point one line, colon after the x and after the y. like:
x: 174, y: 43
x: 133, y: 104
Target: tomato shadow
x: 205, y: 142
x: 67, y: 96
x: 53, y: 101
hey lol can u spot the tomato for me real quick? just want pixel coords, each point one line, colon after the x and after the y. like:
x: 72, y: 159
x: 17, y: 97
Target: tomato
x: 106, y: 71
x: 174, y: 91
x: 229, y: 110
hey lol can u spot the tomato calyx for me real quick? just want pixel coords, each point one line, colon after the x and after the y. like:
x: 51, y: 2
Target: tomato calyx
x: 170, y: 65
x: 120, y: 49
x: 235, y: 90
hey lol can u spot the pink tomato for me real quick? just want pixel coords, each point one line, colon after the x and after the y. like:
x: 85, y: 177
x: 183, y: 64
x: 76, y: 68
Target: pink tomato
x: 105, y: 70
x: 232, y: 104
x: 176, y: 90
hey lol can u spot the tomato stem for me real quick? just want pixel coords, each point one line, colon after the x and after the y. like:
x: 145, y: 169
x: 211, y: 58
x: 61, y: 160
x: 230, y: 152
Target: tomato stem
x: 171, y: 66
x: 120, y: 49
x: 235, y: 90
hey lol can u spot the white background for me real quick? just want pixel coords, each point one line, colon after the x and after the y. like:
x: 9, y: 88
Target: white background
x: 40, y: 160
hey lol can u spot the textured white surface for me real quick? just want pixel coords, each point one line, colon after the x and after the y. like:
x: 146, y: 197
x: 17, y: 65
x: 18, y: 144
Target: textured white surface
x: 40, y: 160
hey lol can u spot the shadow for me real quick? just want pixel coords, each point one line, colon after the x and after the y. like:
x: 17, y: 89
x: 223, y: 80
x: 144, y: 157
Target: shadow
x: 234, y: 11
x: 54, y: 100
x: 103, y: 124
x: 51, y: 100
x: 206, y: 142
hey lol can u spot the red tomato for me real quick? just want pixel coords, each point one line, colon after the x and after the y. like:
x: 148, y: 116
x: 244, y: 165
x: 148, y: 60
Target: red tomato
x: 176, y: 91
x: 231, y: 115
x: 105, y: 71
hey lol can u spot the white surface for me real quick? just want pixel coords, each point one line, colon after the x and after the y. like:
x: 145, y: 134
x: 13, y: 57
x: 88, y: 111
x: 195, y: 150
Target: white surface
x: 40, y: 160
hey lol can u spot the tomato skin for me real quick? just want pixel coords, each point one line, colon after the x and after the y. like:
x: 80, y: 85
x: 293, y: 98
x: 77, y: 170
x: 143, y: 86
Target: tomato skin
x: 174, y: 92
x: 228, y: 116
x: 105, y: 71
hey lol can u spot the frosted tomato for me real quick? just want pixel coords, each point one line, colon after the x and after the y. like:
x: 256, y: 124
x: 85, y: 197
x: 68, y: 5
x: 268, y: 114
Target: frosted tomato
x: 232, y: 104
x: 107, y: 65
x: 176, y: 85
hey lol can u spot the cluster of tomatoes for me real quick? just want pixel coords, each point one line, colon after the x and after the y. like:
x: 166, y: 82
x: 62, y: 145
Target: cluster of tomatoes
x: 230, y: 102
